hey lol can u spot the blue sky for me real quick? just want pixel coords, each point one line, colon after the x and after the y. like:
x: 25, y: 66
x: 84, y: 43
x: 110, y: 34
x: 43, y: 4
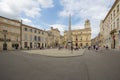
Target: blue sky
x: 46, y: 13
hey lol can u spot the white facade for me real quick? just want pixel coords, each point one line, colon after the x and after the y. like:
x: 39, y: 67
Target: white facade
x: 111, y: 27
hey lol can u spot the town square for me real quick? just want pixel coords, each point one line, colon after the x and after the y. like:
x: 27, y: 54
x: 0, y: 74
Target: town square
x: 60, y: 40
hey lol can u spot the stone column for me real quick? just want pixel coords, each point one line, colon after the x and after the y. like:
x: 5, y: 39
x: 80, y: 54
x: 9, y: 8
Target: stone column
x: 69, y: 39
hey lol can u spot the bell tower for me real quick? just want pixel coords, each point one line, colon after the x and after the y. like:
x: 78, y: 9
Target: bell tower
x: 87, y: 23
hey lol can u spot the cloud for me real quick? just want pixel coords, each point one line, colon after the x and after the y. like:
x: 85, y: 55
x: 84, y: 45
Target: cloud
x: 46, y: 3
x: 31, y: 8
x: 32, y: 12
x: 60, y: 27
x: 26, y: 21
x: 94, y: 10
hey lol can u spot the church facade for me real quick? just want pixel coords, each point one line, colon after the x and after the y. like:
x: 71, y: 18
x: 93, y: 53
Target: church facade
x: 80, y: 37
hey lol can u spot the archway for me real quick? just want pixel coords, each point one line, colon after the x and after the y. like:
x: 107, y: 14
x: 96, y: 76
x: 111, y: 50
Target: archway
x: 5, y: 46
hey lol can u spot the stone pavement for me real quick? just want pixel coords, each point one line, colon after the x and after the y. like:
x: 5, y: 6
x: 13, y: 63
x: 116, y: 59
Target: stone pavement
x: 93, y: 65
x: 56, y: 52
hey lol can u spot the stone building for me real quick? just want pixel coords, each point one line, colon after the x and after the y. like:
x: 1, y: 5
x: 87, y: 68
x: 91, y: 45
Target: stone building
x: 15, y: 35
x: 110, y: 27
x: 80, y: 37
x: 97, y: 40
x: 33, y: 37
x: 54, y: 37
x: 61, y: 41
x: 9, y: 34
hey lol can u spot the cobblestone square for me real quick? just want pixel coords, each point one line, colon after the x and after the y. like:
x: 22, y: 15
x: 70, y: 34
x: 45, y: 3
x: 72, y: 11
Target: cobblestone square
x: 57, y: 53
x: 32, y: 65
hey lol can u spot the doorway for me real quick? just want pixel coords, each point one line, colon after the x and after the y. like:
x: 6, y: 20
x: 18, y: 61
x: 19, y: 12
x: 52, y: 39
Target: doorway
x: 5, y: 46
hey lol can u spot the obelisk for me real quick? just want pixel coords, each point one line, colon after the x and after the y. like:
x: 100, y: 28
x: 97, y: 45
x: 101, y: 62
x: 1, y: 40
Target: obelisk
x: 69, y: 41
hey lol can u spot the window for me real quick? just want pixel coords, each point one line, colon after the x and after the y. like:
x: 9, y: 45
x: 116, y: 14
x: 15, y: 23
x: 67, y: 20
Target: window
x: 114, y: 25
x: 13, y: 45
x: 35, y: 38
x: 117, y: 8
x: 114, y: 13
x: 111, y: 16
x: 39, y: 38
x: 30, y: 30
x: 35, y: 31
x: 25, y: 29
x: 118, y: 23
x: 25, y: 44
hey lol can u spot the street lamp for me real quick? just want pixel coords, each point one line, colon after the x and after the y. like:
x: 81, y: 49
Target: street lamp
x: 5, y: 40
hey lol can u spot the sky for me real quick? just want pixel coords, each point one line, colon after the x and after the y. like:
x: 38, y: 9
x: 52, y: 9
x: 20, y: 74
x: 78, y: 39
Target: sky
x: 44, y: 14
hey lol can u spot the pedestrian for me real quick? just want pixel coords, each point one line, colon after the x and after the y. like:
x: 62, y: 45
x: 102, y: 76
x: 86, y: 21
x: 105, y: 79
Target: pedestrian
x: 71, y: 49
x: 89, y: 47
x: 92, y: 47
x: 107, y: 47
x: 96, y: 47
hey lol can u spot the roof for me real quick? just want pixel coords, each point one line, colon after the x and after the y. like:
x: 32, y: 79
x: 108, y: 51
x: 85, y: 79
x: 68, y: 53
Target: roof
x: 10, y: 19
x: 31, y: 27
x: 19, y: 22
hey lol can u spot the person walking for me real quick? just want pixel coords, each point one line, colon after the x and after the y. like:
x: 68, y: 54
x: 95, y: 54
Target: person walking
x: 71, y: 49
x: 107, y: 47
x: 96, y: 47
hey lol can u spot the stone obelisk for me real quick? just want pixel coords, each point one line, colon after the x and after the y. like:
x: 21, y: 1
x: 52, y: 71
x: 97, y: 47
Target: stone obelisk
x: 69, y: 41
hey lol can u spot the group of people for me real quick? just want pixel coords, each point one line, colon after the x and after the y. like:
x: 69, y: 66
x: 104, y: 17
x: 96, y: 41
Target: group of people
x: 96, y: 47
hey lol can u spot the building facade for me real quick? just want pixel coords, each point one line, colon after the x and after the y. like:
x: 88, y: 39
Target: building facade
x: 80, y: 37
x: 97, y: 41
x: 110, y: 27
x: 54, y: 37
x: 33, y: 37
x: 15, y: 35
x: 9, y: 34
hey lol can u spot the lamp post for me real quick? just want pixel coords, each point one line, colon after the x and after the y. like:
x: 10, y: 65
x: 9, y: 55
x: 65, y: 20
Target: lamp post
x: 5, y: 40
